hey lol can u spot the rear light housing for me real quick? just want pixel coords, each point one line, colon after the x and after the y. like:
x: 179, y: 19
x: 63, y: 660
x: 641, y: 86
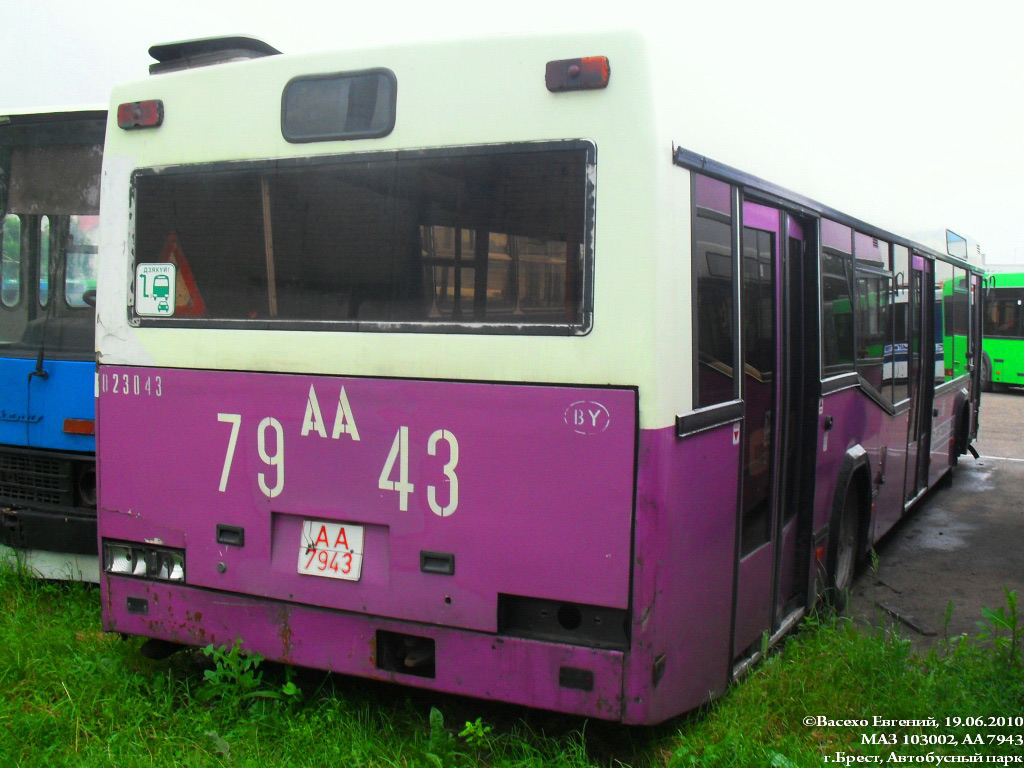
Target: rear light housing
x: 583, y: 74
x: 143, y: 561
x: 79, y: 426
x: 140, y: 114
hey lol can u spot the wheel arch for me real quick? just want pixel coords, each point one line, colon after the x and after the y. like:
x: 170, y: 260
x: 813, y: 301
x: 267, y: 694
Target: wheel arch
x: 854, y: 472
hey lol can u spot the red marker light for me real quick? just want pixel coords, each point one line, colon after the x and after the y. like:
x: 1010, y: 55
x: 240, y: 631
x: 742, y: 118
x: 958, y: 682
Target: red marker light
x: 80, y: 426
x: 140, y: 114
x: 577, y: 74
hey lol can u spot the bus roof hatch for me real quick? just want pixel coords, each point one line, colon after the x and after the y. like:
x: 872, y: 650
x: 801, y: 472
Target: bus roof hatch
x: 189, y: 54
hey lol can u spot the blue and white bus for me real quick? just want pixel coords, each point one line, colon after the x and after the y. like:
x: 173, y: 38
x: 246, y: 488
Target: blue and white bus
x: 49, y: 207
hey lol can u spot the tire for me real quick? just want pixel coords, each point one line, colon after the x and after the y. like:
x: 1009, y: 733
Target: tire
x: 961, y: 438
x: 844, y: 562
x: 986, y: 374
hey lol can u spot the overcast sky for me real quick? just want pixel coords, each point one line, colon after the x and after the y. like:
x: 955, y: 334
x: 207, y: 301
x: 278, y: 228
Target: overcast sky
x: 917, y: 103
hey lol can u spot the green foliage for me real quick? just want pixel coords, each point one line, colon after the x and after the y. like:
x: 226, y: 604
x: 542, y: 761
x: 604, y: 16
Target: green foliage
x: 476, y: 733
x: 237, y: 678
x: 1003, y: 628
x: 946, y: 618
x: 439, y: 745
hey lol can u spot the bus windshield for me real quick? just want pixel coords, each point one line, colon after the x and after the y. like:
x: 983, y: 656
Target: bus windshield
x: 50, y: 240
x: 1004, y: 313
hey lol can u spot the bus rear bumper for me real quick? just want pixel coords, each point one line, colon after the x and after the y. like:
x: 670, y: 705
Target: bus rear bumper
x: 545, y: 675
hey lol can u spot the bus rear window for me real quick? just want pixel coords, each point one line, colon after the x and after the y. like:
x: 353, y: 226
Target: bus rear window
x: 486, y: 242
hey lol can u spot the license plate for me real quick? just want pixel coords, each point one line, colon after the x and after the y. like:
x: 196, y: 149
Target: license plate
x: 332, y: 550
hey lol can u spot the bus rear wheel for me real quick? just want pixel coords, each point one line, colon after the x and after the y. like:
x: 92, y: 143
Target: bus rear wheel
x: 844, y: 562
x: 960, y: 436
x: 986, y: 374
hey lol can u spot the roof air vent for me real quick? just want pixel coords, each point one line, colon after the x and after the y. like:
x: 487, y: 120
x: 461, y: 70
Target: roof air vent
x: 189, y: 54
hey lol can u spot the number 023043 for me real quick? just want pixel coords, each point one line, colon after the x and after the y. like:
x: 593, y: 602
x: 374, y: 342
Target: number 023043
x: 332, y: 550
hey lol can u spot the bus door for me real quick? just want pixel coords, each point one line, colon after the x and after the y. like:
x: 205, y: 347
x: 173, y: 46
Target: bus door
x: 770, y: 583
x: 975, y: 316
x: 920, y: 375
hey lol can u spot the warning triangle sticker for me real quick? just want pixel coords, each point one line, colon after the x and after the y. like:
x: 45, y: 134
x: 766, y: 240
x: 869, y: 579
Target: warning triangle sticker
x: 188, y: 301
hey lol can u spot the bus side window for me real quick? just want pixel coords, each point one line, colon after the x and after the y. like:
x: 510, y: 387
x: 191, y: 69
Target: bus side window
x: 45, y: 239
x: 10, y: 269
x: 959, y: 313
x: 80, y: 267
x: 901, y: 297
x: 715, y: 278
x: 873, y: 312
x: 837, y: 353
x: 943, y: 322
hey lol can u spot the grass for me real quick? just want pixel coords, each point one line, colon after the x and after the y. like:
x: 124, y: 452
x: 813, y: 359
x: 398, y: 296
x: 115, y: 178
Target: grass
x: 837, y: 671
x: 71, y: 695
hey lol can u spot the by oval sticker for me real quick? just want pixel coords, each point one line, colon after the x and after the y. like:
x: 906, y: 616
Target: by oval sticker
x: 587, y: 417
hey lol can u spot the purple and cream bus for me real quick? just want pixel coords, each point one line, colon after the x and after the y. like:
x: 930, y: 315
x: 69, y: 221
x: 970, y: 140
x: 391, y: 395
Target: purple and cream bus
x: 434, y: 378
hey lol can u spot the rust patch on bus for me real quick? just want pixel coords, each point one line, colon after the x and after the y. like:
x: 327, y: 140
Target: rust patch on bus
x: 612, y: 707
x: 285, y: 632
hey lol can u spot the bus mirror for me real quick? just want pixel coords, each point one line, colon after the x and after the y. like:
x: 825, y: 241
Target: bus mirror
x: 89, y: 297
x: 956, y: 245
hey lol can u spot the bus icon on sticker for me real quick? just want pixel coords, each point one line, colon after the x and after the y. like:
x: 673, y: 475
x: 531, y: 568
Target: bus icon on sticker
x: 155, y: 286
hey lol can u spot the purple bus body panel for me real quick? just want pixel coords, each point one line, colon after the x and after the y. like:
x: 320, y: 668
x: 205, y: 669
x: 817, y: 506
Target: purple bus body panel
x: 158, y: 483
x: 544, y: 504
x: 505, y: 668
x: 686, y: 532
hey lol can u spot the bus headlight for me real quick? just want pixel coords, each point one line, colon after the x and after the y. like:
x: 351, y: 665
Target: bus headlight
x: 144, y: 561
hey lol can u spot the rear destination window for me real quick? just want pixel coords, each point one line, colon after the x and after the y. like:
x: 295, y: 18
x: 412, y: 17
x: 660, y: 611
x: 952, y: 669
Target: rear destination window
x: 481, y: 241
x: 352, y: 105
